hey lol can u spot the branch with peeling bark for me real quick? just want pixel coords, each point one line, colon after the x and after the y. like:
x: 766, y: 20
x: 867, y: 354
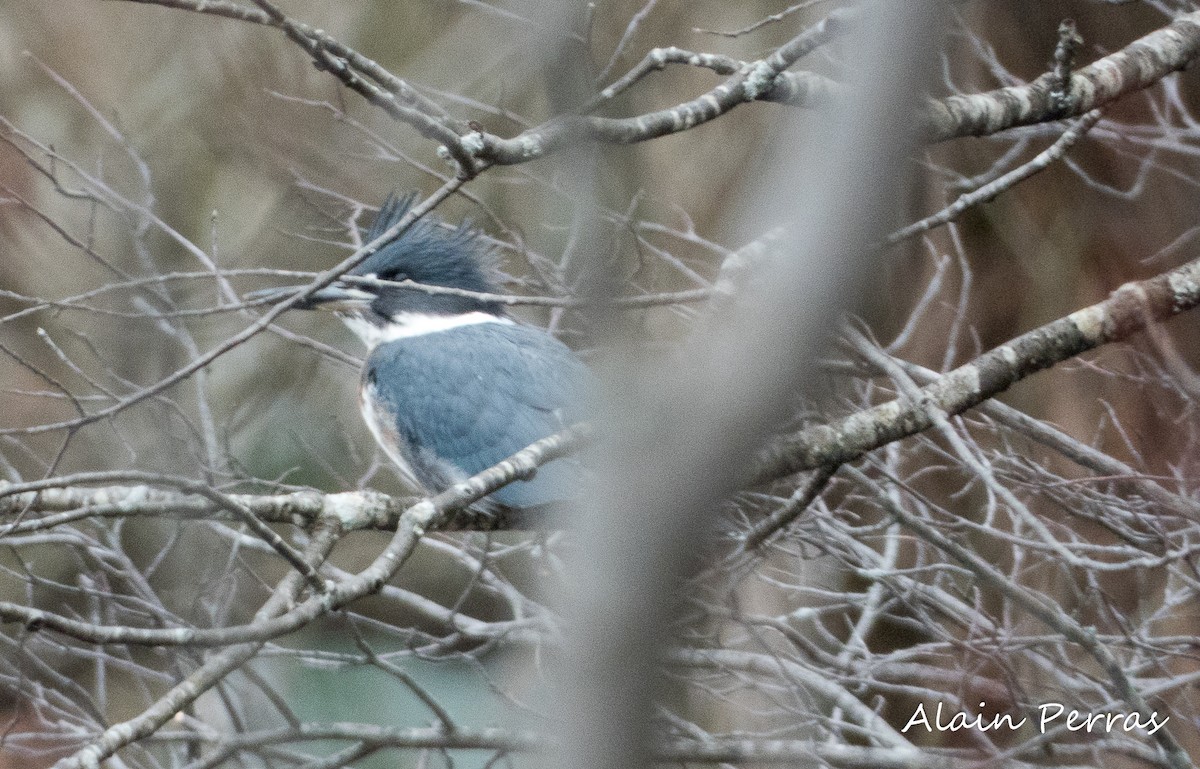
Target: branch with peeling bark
x: 1134, y: 68
x: 1129, y: 309
x: 1055, y: 95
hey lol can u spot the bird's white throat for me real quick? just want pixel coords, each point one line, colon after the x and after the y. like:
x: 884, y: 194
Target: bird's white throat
x: 405, y: 325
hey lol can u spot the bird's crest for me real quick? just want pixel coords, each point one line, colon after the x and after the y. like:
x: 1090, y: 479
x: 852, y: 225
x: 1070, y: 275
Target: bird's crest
x: 425, y: 239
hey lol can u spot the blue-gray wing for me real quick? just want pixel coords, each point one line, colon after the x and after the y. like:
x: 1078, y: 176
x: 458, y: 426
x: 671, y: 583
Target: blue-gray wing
x: 462, y: 400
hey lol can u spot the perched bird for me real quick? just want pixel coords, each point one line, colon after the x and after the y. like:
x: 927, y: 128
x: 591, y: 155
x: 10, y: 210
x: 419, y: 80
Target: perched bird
x: 452, y: 384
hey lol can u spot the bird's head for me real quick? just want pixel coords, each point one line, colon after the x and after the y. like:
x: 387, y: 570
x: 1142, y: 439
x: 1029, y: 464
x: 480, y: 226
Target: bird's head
x: 427, y: 253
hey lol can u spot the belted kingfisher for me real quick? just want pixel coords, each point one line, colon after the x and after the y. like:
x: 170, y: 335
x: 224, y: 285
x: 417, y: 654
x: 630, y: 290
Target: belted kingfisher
x: 452, y: 384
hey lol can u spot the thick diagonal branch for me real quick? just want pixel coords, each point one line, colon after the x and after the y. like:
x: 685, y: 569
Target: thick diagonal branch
x: 1128, y: 310
x: 1133, y: 68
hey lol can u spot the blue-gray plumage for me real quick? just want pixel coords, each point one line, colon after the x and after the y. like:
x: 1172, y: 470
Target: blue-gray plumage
x: 464, y: 399
x: 452, y: 385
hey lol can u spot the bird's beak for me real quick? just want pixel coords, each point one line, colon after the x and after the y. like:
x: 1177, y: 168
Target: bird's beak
x: 337, y: 296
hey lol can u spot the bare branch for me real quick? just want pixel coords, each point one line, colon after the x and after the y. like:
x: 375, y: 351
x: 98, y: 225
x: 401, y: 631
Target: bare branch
x: 1135, y: 67
x: 1128, y: 310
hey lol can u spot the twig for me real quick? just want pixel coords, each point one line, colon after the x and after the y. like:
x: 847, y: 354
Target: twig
x: 1009, y: 180
x: 322, y: 280
x: 424, y: 516
x: 207, y: 675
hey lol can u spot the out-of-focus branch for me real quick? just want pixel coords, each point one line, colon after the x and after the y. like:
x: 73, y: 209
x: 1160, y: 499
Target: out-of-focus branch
x: 692, y: 427
x: 1128, y: 310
